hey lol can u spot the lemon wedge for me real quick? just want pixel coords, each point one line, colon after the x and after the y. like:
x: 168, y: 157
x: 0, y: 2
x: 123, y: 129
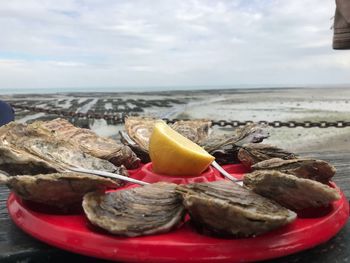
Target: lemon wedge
x: 173, y: 154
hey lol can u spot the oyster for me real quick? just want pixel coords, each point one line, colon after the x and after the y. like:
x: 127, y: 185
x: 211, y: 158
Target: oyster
x: 89, y: 142
x: 146, y: 210
x: 139, y: 130
x: 137, y: 149
x: 56, y: 189
x: 195, y: 130
x: 317, y: 170
x: 224, y: 147
x: 24, y: 150
x: 290, y: 191
x: 223, y: 207
x: 250, y: 133
x: 252, y: 153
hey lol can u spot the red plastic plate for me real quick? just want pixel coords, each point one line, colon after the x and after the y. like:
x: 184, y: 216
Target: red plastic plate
x: 74, y: 233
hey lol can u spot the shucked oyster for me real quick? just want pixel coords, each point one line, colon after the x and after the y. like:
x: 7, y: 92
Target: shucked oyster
x: 224, y: 207
x: 252, y: 153
x: 146, y: 210
x: 289, y: 190
x: 89, y: 142
x: 317, y: 170
x: 24, y: 150
x: 56, y: 189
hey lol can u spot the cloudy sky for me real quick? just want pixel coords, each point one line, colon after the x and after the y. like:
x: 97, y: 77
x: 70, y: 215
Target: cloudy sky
x: 107, y: 43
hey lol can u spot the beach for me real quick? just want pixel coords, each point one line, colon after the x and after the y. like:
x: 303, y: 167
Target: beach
x: 265, y: 104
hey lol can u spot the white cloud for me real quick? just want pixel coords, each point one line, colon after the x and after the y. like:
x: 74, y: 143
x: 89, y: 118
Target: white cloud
x: 144, y: 43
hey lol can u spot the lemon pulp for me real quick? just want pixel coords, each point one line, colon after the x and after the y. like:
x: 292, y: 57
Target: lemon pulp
x: 173, y: 154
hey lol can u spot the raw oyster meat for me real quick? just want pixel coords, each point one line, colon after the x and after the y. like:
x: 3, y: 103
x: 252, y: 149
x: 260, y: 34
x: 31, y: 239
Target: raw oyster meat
x: 223, y: 207
x: 151, y: 209
x: 290, y: 191
x: 317, y: 170
x: 89, y: 142
x: 56, y: 189
x: 252, y: 153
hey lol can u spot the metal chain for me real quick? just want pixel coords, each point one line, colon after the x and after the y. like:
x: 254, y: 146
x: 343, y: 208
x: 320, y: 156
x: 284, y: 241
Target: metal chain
x: 119, y: 118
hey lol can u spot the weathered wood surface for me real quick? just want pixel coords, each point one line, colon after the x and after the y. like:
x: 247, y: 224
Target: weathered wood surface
x: 16, y: 246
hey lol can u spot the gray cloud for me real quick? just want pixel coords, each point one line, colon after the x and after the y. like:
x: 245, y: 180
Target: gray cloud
x: 90, y: 43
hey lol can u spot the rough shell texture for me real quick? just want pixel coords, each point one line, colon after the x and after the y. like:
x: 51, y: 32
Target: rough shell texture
x: 146, y: 210
x: 24, y: 150
x: 140, y: 129
x: 252, y: 153
x: 57, y: 189
x: 89, y: 142
x: 223, y: 147
x: 317, y: 170
x: 141, y: 153
x: 249, y: 133
x: 289, y: 190
x: 195, y: 130
x: 225, y: 208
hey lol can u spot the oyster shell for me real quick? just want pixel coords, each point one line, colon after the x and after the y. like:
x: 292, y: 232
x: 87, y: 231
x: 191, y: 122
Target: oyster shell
x: 139, y: 130
x: 223, y: 207
x: 290, y: 191
x: 252, y: 153
x: 57, y: 189
x: 24, y: 150
x: 89, y: 142
x: 317, y: 170
x: 195, y: 130
x: 250, y: 133
x: 137, y: 149
x: 146, y: 210
x: 223, y: 147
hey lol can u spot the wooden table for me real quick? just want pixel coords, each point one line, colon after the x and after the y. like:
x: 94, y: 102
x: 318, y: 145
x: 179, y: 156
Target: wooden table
x: 16, y: 246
